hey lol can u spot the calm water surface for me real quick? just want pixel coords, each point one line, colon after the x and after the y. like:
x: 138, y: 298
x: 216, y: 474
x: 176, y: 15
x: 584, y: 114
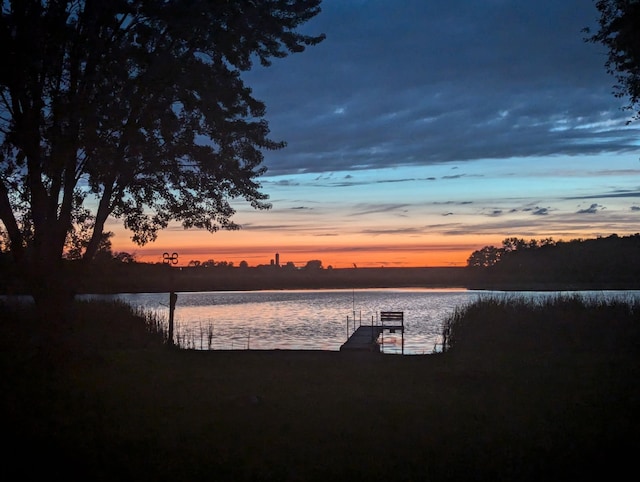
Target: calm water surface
x: 308, y: 319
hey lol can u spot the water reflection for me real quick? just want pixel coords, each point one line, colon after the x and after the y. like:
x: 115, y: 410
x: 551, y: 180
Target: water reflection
x: 303, y: 320
x: 311, y: 319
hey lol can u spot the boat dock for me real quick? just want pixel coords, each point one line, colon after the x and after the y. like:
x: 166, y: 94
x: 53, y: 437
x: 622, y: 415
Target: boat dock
x: 365, y: 337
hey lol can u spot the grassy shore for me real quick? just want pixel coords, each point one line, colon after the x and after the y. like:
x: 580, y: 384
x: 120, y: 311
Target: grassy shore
x: 524, y: 392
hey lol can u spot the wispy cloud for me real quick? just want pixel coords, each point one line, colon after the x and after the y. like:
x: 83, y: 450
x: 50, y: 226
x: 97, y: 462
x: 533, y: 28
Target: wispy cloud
x: 395, y: 231
x: 623, y: 193
x: 362, y: 210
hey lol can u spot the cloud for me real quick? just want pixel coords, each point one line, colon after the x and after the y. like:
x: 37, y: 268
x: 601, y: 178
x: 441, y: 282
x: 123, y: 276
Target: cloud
x: 285, y: 182
x: 450, y: 203
x: 593, y: 209
x: 269, y: 227
x: 540, y: 211
x: 378, y: 208
x: 417, y: 83
x: 617, y: 193
x: 455, y: 176
x: 383, y: 181
x: 403, y: 231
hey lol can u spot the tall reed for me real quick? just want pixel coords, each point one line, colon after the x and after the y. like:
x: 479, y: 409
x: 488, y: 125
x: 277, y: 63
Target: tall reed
x: 554, y: 323
x: 91, y: 324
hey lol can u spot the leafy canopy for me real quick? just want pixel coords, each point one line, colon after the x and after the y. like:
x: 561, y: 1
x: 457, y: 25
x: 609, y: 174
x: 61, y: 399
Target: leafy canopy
x: 133, y: 109
x: 619, y: 31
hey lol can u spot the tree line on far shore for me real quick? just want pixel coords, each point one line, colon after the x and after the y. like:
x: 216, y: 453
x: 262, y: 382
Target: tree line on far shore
x: 602, y: 263
x: 604, y: 259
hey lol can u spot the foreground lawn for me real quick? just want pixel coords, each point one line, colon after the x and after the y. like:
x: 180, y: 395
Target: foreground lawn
x: 109, y: 405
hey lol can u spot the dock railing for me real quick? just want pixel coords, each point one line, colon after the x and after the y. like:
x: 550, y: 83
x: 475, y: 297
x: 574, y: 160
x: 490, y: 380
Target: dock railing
x: 392, y: 321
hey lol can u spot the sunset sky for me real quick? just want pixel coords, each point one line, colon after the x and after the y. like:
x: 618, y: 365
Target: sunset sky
x: 420, y: 131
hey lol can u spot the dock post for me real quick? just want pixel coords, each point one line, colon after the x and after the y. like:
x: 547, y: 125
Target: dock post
x: 347, y: 327
x: 173, y: 297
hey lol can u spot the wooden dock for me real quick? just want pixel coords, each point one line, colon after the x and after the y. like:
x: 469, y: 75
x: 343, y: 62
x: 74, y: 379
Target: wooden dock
x: 365, y: 337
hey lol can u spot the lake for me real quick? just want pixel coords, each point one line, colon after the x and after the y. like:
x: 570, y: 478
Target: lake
x: 311, y: 319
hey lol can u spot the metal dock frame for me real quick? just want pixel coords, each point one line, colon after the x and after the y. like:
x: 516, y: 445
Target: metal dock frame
x: 364, y: 337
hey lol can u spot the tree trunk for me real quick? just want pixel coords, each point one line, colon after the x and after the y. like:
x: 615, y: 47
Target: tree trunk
x: 54, y: 300
x: 53, y: 292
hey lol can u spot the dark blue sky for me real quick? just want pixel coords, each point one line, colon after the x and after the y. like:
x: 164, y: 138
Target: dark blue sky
x: 415, y: 82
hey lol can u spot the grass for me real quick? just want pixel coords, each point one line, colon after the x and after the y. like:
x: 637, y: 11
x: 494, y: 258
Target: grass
x: 115, y: 403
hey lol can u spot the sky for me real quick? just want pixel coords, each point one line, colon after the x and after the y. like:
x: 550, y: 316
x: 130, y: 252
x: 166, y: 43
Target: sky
x: 420, y: 131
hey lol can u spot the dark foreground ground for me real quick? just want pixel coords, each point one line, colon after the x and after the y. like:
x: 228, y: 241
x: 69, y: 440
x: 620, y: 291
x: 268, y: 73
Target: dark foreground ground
x: 111, y: 403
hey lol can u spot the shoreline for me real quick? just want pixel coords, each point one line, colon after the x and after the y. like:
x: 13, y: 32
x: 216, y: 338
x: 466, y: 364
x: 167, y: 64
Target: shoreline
x: 140, y: 278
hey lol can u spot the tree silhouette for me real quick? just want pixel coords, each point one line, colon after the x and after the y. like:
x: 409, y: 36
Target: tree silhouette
x: 485, y: 257
x: 313, y: 264
x: 619, y: 31
x: 133, y: 109
x: 614, y: 260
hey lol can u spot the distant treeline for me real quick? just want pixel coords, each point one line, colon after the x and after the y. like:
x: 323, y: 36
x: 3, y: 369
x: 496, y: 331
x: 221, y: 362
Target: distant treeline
x: 132, y: 277
x: 605, y: 262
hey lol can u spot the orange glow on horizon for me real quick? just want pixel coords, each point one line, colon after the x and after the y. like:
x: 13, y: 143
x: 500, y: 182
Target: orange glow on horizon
x: 257, y: 248
x: 435, y: 252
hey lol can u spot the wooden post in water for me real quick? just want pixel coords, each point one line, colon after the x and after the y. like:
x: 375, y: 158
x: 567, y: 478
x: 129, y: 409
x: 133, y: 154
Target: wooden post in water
x: 173, y: 297
x: 347, y: 327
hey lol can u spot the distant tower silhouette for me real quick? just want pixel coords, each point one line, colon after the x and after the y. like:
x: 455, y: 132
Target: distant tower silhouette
x: 277, y: 259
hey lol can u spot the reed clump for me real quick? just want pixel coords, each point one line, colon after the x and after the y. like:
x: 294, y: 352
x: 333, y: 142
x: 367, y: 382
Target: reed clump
x: 92, y: 326
x: 520, y: 326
